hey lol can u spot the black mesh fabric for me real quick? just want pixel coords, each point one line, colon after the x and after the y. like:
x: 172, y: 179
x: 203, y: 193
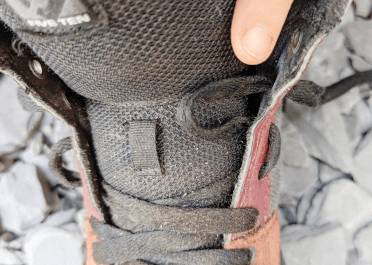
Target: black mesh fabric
x: 188, y: 162
x: 152, y: 51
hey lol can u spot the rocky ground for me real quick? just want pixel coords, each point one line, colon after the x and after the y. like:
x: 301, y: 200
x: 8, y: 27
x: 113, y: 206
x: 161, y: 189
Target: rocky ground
x: 325, y: 202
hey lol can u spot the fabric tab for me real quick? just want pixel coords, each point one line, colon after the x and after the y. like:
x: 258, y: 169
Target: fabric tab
x: 142, y: 138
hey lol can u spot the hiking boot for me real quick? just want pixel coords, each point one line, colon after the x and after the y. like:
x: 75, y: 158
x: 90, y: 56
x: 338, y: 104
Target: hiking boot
x: 174, y: 137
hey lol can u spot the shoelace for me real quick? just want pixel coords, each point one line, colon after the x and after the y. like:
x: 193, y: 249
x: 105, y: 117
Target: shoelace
x: 167, y: 232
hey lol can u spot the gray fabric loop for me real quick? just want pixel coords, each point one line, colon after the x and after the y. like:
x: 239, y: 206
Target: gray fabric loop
x: 64, y: 176
x: 227, y: 88
x: 273, y: 151
x: 142, y: 140
x: 133, y: 214
x: 306, y: 92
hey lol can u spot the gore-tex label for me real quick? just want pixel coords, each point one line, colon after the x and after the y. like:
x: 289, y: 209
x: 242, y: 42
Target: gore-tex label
x: 75, y: 20
x: 57, y: 16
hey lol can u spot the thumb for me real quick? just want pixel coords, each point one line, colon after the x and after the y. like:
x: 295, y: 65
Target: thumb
x: 256, y: 28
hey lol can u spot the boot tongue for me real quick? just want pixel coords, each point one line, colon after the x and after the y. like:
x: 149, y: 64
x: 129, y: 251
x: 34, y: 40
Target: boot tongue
x: 143, y: 152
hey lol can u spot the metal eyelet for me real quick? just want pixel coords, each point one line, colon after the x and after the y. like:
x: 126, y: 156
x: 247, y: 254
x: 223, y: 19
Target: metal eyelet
x: 36, y: 68
x: 296, y: 39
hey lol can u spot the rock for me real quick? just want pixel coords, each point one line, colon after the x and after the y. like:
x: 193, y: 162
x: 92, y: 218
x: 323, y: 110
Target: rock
x: 294, y: 153
x: 363, y: 243
x: 66, y: 248
x: 365, y: 90
x: 363, y: 8
x: 13, y: 119
x: 25, y: 198
x: 324, y: 134
x: 327, y: 173
x: 364, y: 115
x: 353, y: 258
x: 72, y: 198
x: 313, y: 246
x: 60, y: 218
x: 329, y: 122
x: 362, y: 171
x: 359, y: 36
x: 70, y: 161
x: 353, y: 130
x: 296, y: 180
x: 359, y: 64
x: 80, y: 220
x: 60, y: 131
x: 346, y: 72
x: 330, y: 58
x: 343, y: 201
x: 370, y: 103
x: 305, y: 202
x: 41, y: 161
x: 9, y: 258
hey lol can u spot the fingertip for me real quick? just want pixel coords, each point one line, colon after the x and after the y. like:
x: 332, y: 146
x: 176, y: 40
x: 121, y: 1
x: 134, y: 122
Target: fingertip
x: 256, y: 28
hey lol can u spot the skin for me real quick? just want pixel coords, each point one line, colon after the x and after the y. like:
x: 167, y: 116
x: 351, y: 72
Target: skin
x: 256, y: 28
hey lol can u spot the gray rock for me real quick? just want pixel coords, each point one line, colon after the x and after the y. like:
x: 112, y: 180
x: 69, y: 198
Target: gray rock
x: 296, y: 180
x: 305, y: 202
x: 353, y: 130
x: 365, y: 90
x: 8, y: 257
x: 362, y: 171
x: 363, y: 243
x: 60, y: 131
x: 13, y: 119
x: 80, y: 220
x: 359, y: 36
x: 323, y: 131
x: 294, y: 153
x: 359, y: 64
x: 313, y: 246
x: 327, y: 173
x: 370, y: 103
x: 60, y: 218
x: 329, y: 122
x: 25, y: 198
x: 353, y: 258
x: 41, y: 161
x: 346, y: 203
x: 330, y: 58
x: 70, y: 161
x: 363, y: 8
x: 364, y: 115
x: 67, y: 248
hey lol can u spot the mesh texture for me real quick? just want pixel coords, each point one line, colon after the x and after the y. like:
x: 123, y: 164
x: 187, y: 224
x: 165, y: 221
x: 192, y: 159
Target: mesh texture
x: 188, y: 162
x: 151, y: 52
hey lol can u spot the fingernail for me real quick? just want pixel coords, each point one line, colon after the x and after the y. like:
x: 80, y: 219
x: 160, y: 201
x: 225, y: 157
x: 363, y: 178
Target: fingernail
x: 257, y: 41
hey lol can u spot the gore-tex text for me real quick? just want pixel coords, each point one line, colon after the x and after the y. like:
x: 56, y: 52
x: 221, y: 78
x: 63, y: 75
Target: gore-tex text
x: 73, y: 20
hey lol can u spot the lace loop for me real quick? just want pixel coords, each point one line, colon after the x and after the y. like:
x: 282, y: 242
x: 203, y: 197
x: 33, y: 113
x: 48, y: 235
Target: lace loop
x: 227, y: 88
